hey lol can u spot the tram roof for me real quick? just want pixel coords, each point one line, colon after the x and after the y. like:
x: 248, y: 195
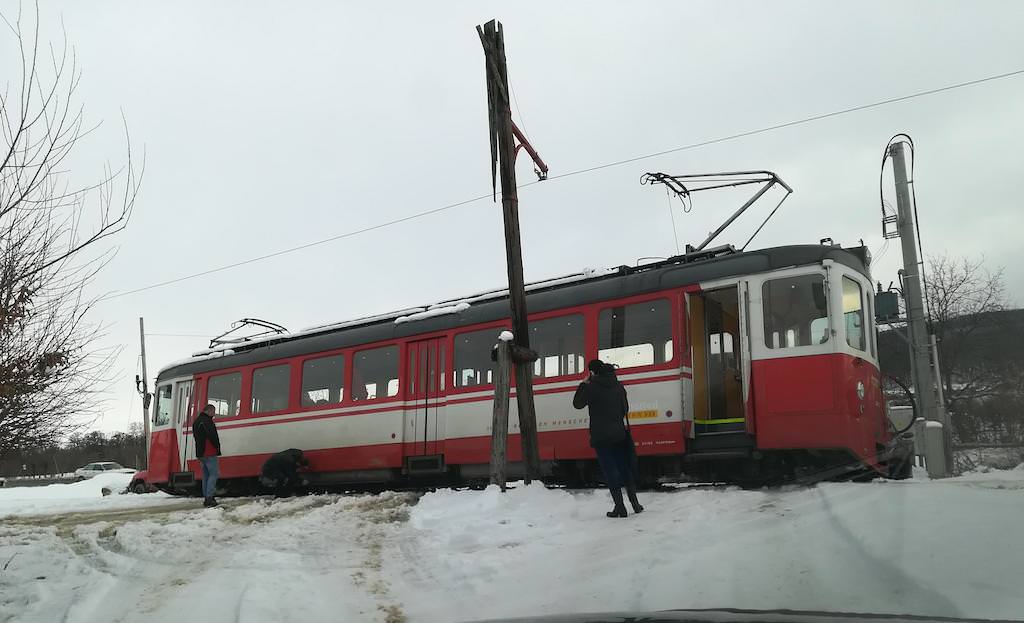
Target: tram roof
x: 552, y: 294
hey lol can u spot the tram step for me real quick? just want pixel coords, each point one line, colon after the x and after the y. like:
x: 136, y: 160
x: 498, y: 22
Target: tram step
x: 707, y: 455
x: 428, y: 464
x: 738, y: 441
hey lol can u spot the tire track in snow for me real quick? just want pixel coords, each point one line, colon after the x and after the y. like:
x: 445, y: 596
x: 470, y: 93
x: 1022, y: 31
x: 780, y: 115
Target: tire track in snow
x: 372, y: 530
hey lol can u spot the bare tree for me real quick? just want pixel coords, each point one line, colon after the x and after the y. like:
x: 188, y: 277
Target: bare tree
x: 964, y: 299
x: 53, y: 235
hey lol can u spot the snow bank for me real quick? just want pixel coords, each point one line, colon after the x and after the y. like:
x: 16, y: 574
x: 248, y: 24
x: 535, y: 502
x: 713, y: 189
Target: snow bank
x: 86, y: 495
x: 919, y: 547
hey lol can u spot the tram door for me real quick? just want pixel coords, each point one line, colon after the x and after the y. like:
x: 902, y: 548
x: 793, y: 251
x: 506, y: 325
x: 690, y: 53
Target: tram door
x: 723, y: 411
x: 183, y: 409
x: 424, y: 418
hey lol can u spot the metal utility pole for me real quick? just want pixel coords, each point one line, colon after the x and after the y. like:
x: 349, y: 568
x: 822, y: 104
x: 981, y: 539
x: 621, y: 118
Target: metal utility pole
x: 913, y: 293
x: 503, y: 135
x: 143, y: 387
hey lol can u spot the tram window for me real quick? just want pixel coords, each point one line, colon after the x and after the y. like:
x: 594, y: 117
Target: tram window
x: 224, y: 392
x: 630, y: 336
x: 163, y: 406
x: 473, y: 365
x: 819, y: 330
x: 853, y: 314
x: 559, y: 342
x: 795, y: 311
x: 375, y: 373
x: 270, y: 388
x: 323, y: 381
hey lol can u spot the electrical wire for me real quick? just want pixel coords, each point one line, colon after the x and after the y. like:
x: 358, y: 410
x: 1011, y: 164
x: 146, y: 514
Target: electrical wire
x: 671, y: 214
x: 721, y: 139
x: 515, y: 100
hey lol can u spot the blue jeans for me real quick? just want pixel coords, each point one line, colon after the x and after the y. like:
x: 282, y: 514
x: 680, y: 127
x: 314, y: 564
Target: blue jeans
x: 211, y: 469
x: 614, y: 461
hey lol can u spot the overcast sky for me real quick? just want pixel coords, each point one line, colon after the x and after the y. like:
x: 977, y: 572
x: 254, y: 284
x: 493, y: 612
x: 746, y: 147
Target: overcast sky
x: 270, y: 125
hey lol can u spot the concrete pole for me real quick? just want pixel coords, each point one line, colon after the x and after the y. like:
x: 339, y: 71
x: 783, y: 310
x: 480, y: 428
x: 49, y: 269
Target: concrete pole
x: 913, y: 293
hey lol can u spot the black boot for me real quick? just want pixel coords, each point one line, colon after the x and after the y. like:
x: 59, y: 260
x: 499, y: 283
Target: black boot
x: 631, y: 493
x: 620, y: 508
x: 210, y: 502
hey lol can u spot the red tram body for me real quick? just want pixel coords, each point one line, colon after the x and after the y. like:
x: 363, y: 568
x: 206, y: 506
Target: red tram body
x: 738, y: 365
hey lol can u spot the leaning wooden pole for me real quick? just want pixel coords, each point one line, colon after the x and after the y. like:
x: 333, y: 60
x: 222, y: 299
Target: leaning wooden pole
x: 503, y: 154
x: 499, y: 416
x: 145, y: 393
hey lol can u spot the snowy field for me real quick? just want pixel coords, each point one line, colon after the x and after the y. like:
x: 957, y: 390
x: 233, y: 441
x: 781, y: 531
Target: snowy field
x: 953, y: 548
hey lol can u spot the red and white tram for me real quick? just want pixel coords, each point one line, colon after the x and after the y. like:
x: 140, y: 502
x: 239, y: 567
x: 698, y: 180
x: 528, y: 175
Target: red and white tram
x: 738, y: 365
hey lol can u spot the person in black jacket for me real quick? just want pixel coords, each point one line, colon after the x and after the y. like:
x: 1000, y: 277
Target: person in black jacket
x: 207, y: 450
x: 280, y: 471
x: 605, y: 397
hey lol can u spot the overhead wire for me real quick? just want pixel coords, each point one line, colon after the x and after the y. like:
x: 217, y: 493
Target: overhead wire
x: 519, y: 111
x: 689, y: 146
x: 671, y: 214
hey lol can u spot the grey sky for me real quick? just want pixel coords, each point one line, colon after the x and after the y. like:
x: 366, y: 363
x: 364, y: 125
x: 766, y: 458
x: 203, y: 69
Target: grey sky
x: 269, y: 126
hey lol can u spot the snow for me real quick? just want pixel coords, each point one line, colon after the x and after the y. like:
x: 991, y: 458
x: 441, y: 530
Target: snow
x: 83, y: 496
x: 202, y: 355
x: 435, y: 311
x: 949, y: 547
x: 506, y: 336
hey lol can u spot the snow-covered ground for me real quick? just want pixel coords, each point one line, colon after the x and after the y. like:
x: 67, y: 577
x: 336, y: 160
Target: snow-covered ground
x: 952, y: 547
x: 86, y: 495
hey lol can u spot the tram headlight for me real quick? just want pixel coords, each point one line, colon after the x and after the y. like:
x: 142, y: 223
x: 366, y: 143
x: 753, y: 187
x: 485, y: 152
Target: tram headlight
x: 860, y: 390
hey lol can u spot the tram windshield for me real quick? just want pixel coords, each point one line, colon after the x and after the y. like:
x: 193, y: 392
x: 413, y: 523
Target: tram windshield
x: 795, y: 311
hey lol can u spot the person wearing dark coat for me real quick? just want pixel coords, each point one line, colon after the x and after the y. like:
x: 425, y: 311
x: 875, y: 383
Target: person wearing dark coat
x: 280, y: 471
x: 204, y: 430
x: 605, y: 398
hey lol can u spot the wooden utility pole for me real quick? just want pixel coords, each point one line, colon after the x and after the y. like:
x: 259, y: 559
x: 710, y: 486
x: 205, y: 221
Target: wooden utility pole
x: 143, y: 386
x: 499, y: 416
x: 503, y: 134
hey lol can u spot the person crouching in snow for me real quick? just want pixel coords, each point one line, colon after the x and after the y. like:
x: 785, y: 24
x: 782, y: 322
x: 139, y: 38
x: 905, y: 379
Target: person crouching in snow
x: 280, y: 471
x: 605, y: 397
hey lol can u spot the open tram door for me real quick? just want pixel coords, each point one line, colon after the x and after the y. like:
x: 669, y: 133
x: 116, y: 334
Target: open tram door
x: 424, y: 427
x: 184, y: 410
x: 720, y: 354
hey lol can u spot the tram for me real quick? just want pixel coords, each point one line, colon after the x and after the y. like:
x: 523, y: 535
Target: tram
x: 740, y: 365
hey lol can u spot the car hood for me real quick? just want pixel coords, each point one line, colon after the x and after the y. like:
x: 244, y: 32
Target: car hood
x: 733, y: 615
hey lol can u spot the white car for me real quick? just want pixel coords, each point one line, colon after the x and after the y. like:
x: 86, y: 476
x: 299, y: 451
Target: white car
x: 92, y: 469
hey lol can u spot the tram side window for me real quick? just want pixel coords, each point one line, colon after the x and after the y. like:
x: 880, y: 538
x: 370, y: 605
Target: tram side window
x: 270, y: 388
x: 375, y: 373
x: 635, y: 335
x: 323, y: 381
x: 473, y: 365
x: 853, y: 314
x: 224, y: 392
x: 559, y: 342
x: 163, y: 406
x: 795, y: 311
